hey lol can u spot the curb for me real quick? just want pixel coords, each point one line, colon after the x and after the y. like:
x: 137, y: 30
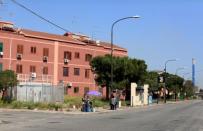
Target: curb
x: 54, y: 112
x: 77, y: 112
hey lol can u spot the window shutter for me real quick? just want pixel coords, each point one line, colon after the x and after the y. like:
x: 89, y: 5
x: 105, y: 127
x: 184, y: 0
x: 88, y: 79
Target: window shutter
x: 1, y: 47
x: 1, y: 66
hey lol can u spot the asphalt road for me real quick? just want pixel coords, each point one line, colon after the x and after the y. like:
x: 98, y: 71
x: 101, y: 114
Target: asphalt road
x: 184, y: 116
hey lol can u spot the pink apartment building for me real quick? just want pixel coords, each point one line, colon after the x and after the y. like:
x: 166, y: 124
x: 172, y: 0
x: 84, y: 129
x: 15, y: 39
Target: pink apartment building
x: 51, y: 58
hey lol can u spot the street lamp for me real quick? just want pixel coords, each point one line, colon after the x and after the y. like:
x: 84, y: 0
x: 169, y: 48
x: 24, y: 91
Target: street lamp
x: 178, y: 69
x: 112, y: 27
x: 171, y: 60
x: 186, y: 74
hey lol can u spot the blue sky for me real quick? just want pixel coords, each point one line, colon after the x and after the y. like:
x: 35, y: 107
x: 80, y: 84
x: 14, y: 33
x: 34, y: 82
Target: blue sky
x: 167, y: 29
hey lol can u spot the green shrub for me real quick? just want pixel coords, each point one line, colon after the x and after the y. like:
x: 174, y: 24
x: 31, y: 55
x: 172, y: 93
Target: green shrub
x: 3, y: 104
x: 57, y: 107
x: 194, y: 97
x: 70, y: 101
x: 28, y: 105
x: 125, y: 103
x: 17, y: 105
x: 51, y: 106
x: 42, y: 106
x: 31, y: 105
x: 99, y: 102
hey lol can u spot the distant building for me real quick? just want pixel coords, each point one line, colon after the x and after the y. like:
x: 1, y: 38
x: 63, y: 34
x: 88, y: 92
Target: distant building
x: 52, y: 59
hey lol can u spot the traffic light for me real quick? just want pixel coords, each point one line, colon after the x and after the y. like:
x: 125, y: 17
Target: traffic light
x: 161, y: 79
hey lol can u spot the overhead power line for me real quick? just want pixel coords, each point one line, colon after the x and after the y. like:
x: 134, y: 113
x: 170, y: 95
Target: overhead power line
x: 34, y: 13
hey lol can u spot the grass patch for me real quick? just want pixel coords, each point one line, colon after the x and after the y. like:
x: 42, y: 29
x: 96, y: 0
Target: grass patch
x: 100, y: 102
x: 77, y: 101
x: 73, y: 100
x: 31, y: 105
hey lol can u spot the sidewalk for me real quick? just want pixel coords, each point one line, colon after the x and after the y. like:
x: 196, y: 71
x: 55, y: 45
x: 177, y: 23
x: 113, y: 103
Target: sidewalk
x: 72, y: 111
x: 78, y: 112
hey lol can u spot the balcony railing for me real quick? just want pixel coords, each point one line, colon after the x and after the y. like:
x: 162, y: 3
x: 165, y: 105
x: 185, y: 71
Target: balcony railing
x: 38, y: 78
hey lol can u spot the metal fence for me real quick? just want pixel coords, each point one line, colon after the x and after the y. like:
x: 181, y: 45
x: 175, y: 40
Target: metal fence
x: 40, y: 93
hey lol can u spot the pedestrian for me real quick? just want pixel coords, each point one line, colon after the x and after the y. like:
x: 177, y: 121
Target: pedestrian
x: 117, y: 101
x: 83, y: 109
x: 87, y: 104
x: 113, y: 101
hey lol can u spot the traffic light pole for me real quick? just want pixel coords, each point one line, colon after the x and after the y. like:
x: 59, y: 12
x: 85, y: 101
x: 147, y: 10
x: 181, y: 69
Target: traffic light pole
x: 165, y: 83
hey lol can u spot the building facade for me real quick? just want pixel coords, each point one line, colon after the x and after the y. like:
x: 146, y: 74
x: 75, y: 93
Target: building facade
x: 48, y: 58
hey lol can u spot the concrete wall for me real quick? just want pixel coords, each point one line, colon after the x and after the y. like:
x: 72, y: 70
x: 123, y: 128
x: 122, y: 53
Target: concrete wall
x: 138, y: 98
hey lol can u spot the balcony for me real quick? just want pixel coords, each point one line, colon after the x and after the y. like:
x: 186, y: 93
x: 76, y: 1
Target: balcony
x: 43, y: 79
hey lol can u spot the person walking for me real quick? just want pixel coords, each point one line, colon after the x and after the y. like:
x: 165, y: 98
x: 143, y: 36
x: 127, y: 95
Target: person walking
x: 87, y: 104
x: 113, y: 102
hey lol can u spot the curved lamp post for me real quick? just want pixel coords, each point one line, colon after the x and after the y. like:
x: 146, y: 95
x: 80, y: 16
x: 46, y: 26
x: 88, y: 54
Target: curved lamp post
x: 112, y: 27
x: 178, y: 69
x: 171, y: 60
x: 186, y: 74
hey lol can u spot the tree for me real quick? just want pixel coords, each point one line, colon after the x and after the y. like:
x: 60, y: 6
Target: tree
x: 7, y: 79
x: 152, y: 80
x: 174, y: 82
x: 189, y: 88
x: 126, y: 70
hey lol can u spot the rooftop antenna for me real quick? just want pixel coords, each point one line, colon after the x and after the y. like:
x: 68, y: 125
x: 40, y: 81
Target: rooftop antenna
x: 94, y: 32
x: 1, y: 2
x: 74, y: 22
x: 1, y: 5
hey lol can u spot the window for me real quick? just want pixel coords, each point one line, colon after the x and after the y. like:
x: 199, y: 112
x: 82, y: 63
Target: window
x: 77, y: 55
x: 32, y: 69
x: 19, y: 68
x: 33, y: 50
x: 88, y: 57
x: 87, y: 73
x: 45, y: 70
x: 1, y: 47
x: 77, y: 71
x: 1, y: 67
x: 86, y: 89
x: 65, y: 71
x: 46, y: 52
x: 76, y: 89
x: 20, y: 49
x: 67, y: 55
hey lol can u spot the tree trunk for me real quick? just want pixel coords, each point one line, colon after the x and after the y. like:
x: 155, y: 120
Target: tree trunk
x: 107, y: 93
x: 4, y: 95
